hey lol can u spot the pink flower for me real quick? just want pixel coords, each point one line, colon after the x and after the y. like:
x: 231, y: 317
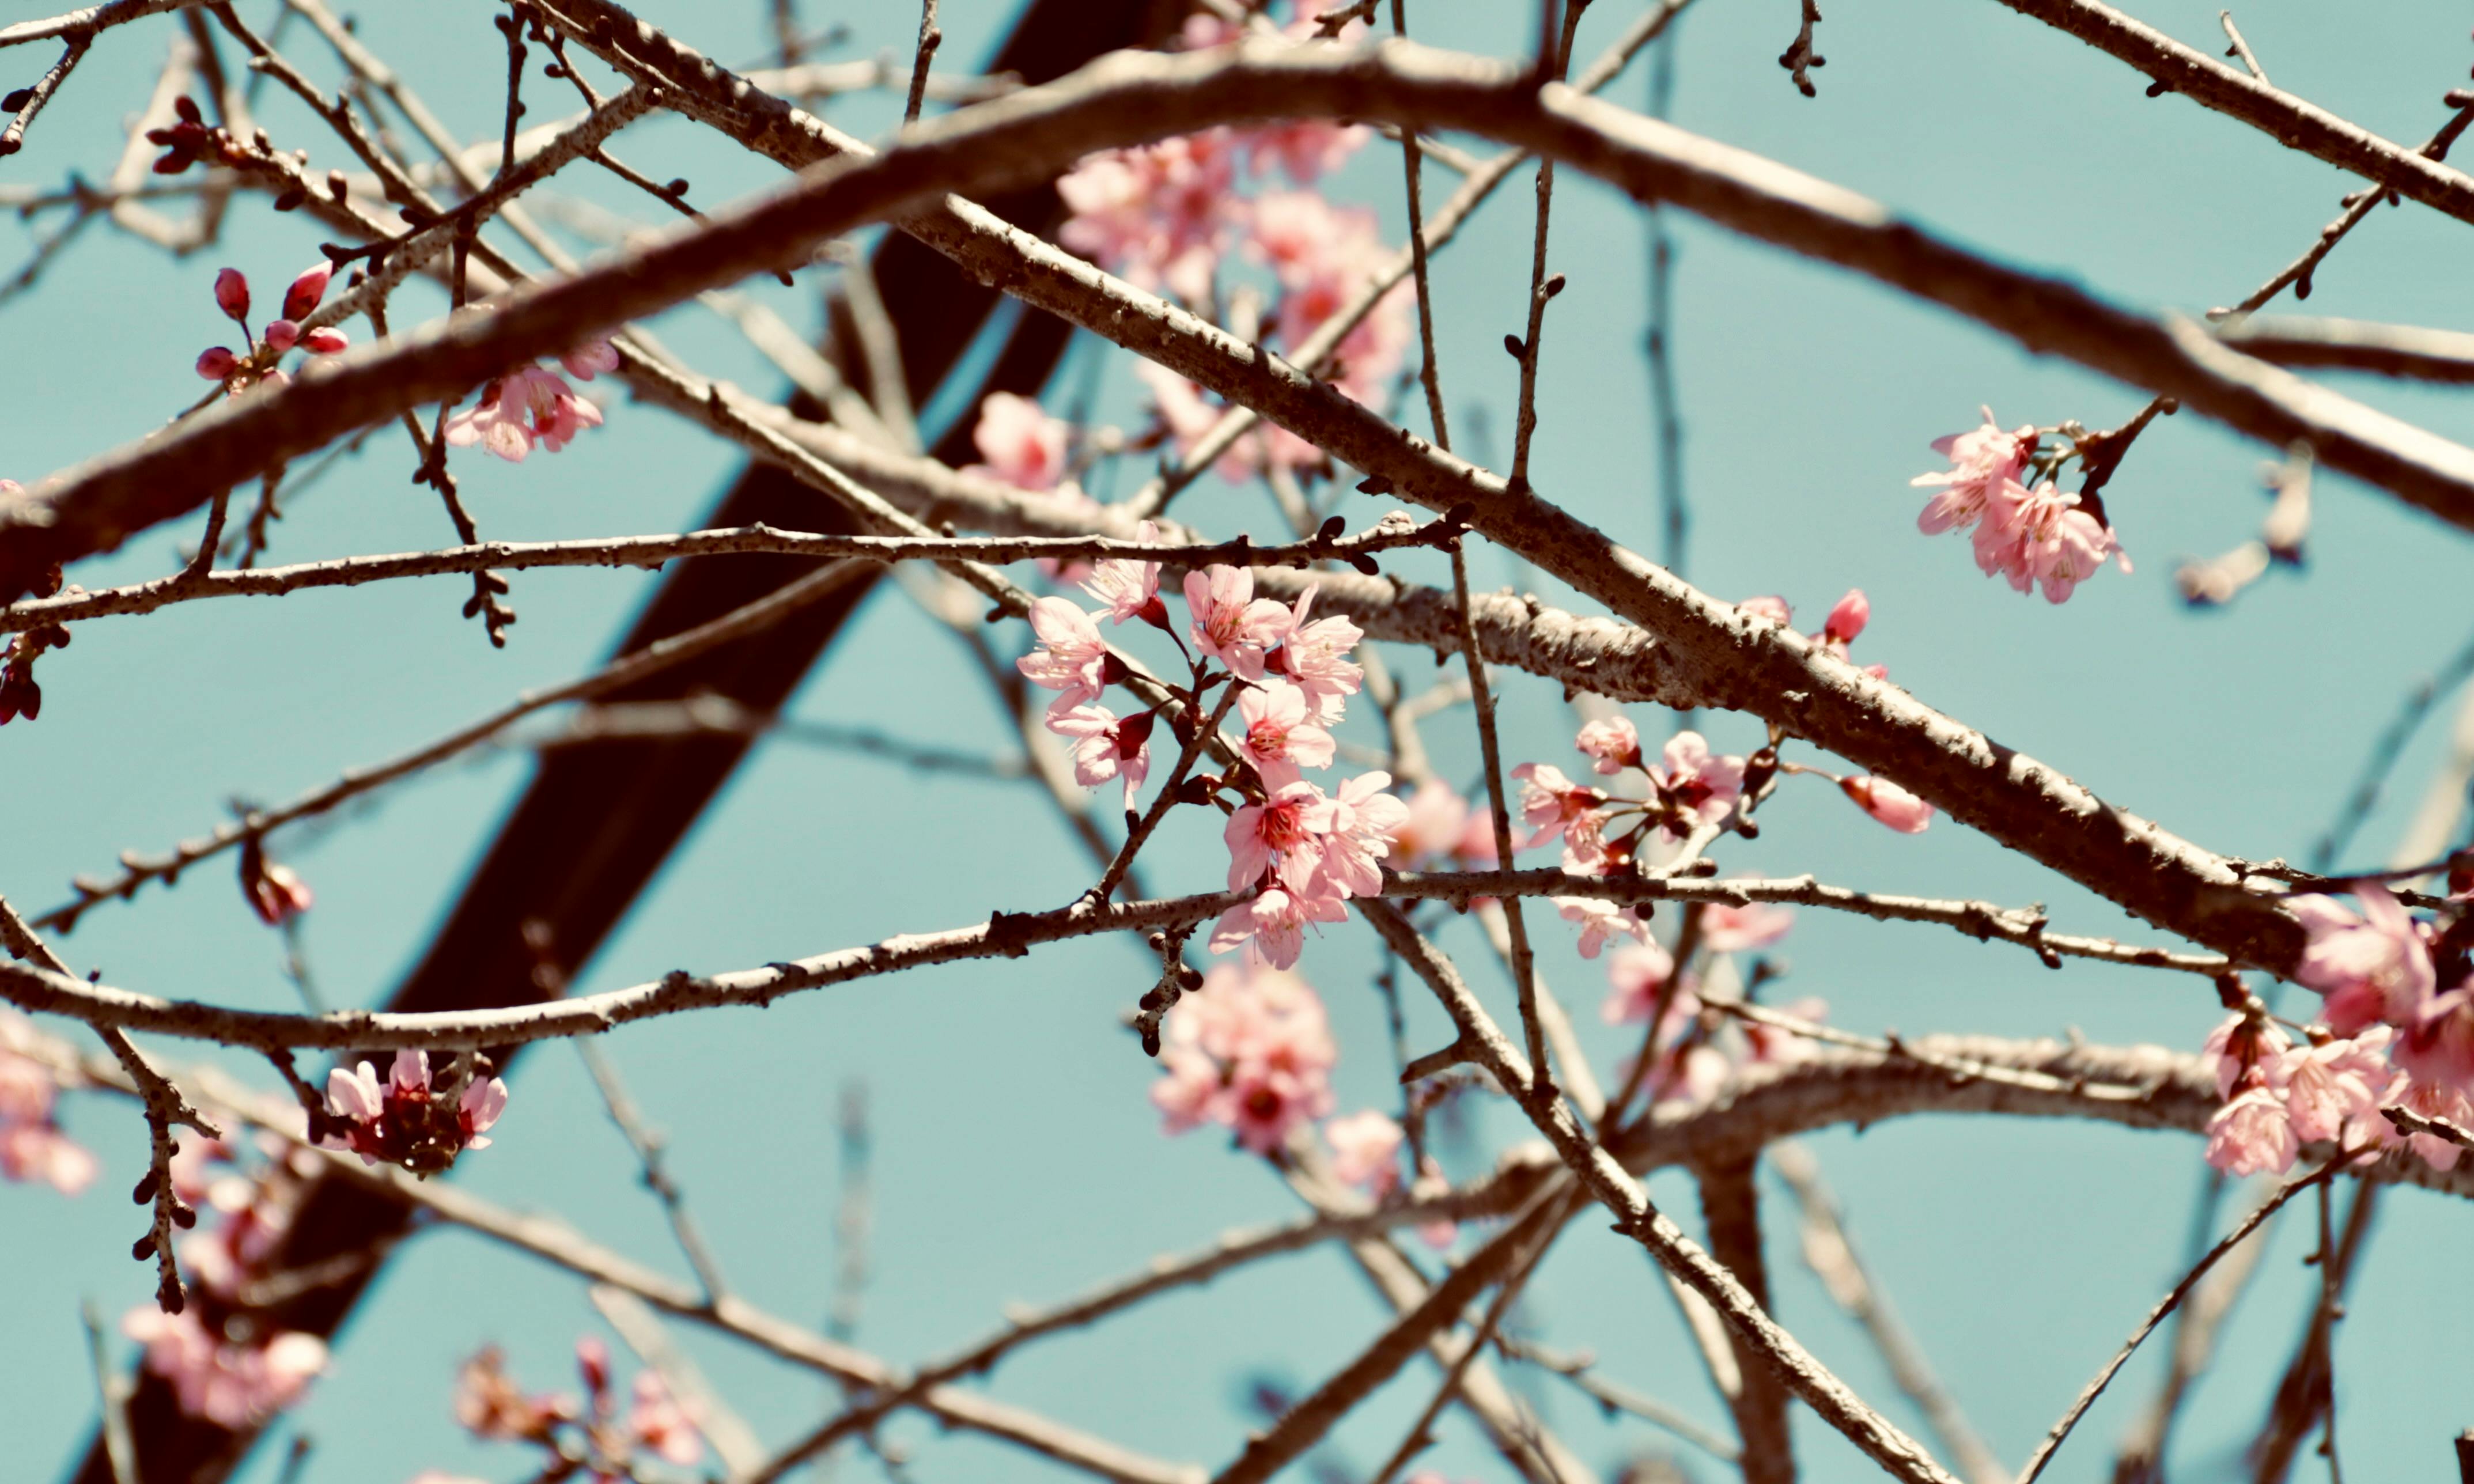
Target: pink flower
x: 1636, y: 972
x: 2043, y: 538
x: 1365, y: 817
x: 41, y: 1152
x: 1366, y: 1152
x: 1549, y: 802
x: 2437, y: 1046
x: 307, y: 291
x: 1272, y: 926
x: 1985, y: 466
x: 590, y: 360
x: 1847, y: 619
x: 1107, y: 746
x: 1767, y: 610
x: 231, y: 293
x: 660, y: 1424
x: 1314, y: 656
x: 1128, y: 588
x: 2246, y: 1042
x: 2327, y: 1086
x: 2430, y: 1100
x: 1438, y: 816
x: 1071, y: 658
x: 1611, y: 744
x: 234, y: 1384
x: 1251, y: 1050
x: 1304, y: 149
x: 1769, y: 1045
x: 1156, y: 212
x: 1281, y: 739
x: 522, y: 408
x: 1231, y: 624
x: 1888, y: 803
x: 1600, y: 921
x: 1701, y: 784
x: 404, y: 1122
x: 2371, y: 967
x: 1286, y: 830
x: 1725, y: 928
x: 1188, y: 417
x: 1020, y: 442
x: 2253, y: 1133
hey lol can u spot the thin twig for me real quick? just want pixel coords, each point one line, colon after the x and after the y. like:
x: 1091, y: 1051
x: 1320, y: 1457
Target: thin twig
x: 930, y: 38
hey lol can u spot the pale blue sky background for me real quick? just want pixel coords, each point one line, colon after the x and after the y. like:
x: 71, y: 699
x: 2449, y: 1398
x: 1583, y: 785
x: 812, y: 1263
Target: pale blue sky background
x: 1016, y: 1157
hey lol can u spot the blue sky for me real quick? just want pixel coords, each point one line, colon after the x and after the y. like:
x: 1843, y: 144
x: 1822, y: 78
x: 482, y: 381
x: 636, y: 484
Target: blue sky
x: 1016, y: 1156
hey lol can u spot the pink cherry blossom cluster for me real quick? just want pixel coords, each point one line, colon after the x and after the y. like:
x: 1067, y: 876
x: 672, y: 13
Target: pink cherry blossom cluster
x: 409, y: 1119
x: 1172, y: 213
x: 1689, y: 787
x: 1696, y: 1051
x: 2031, y: 537
x: 32, y: 1145
x: 223, y: 1365
x: 533, y: 406
x: 1305, y: 850
x: 2390, y: 1037
x: 258, y: 365
x: 589, y: 1438
x: 1250, y: 1050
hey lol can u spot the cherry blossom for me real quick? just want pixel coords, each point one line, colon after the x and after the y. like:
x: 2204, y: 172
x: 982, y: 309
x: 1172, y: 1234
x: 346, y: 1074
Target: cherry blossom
x: 2333, y: 1082
x: 1271, y: 927
x: 1441, y: 828
x: 1770, y: 1045
x: 1767, y: 610
x: 1847, y: 620
x: 1888, y: 803
x: 2253, y: 1133
x: 1071, y: 658
x: 1128, y: 588
x: 1636, y: 973
x: 1314, y: 655
x: 1107, y: 746
x: 1303, y: 149
x: 519, y: 409
x: 1286, y: 830
x: 233, y: 1384
x: 1612, y: 745
x: 2438, y: 1045
x: 1188, y: 417
x: 1019, y: 442
x: 2429, y: 1100
x: 590, y: 360
x: 1701, y: 784
x: 32, y: 1146
x: 1365, y: 817
x: 1158, y: 212
x: 1549, y: 802
x: 403, y: 1121
x: 2246, y: 1042
x: 1366, y: 1151
x: 2371, y: 967
x: 661, y: 1425
x: 1231, y: 624
x: 1601, y: 921
x: 1280, y: 738
x: 2045, y: 538
x: 1725, y: 928
x: 1985, y: 466
x: 1249, y: 1050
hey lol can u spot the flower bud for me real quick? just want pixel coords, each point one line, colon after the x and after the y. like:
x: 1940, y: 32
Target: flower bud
x: 1888, y: 803
x: 325, y: 341
x: 282, y: 335
x: 217, y: 364
x: 1847, y: 620
x: 231, y: 293
x: 307, y: 291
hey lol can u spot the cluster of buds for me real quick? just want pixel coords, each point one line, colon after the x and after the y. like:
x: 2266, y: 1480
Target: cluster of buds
x: 260, y: 365
x: 19, y: 695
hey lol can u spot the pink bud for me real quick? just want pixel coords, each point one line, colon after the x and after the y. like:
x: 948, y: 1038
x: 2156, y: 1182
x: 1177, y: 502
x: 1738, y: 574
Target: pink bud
x: 282, y: 335
x: 217, y: 364
x: 1889, y: 803
x: 307, y: 291
x: 592, y: 1358
x: 1848, y: 618
x: 232, y: 292
x: 1770, y: 610
x: 325, y: 341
